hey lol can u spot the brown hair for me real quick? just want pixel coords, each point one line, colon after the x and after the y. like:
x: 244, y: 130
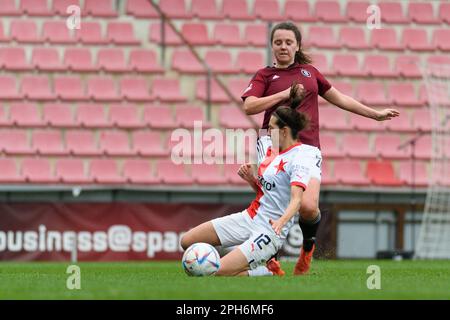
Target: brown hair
x: 300, y: 56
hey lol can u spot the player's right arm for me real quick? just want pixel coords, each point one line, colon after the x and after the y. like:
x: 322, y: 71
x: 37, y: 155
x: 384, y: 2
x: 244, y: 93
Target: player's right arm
x: 246, y: 173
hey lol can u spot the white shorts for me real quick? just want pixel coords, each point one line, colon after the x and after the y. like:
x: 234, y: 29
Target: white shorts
x: 258, y: 245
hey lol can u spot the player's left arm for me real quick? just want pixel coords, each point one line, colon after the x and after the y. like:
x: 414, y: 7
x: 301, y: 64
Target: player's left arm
x: 292, y: 209
x: 345, y: 102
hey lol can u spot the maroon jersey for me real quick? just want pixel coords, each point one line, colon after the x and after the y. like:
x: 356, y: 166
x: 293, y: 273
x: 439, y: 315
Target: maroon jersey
x: 270, y: 80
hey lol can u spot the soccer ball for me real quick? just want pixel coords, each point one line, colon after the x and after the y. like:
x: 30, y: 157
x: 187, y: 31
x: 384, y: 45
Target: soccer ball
x: 201, y: 259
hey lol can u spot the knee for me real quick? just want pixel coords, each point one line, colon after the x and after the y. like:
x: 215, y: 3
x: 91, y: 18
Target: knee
x: 309, y: 210
x: 186, y: 241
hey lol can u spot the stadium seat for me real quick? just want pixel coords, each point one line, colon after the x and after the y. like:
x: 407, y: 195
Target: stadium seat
x: 220, y: 61
x: 350, y: 172
x: 25, y: 114
x: 205, y: 9
x: 135, y: 89
x: 322, y: 37
x: 37, y: 170
x: 111, y: 60
x: 422, y: 13
x: 71, y: 171
x: 37, y: 88
x: 3, y: 36
x: 347, y: 65
x: 327, y: 177
x: 385, y: 39
x: 184, y: 61
x: 444, y: 12
x: 361, y: 123
x: 267, y: 10
x: 333, y: 118
x: 81, y: 143
x: 4, y: 117
x: 78, y: 59
x: 167, y: 90
x: 91, y: 116
x: 441, y: 39
x: 9, y: 8
x: 392, y: 12
x: 353, y: 38
x: 416, y: 40
x: 386, y: 146
x: 329, y: 11
x: 232, y: 117
x: 121, y: 33
x: 115, y: 143
x: 436, y: 60
x: 404, y: 95
x: 186, y: 115
x: 100, y: 8
x: 58, y: 115
x: 408, y: 66
x: 401, y: 123
x: 90, y: 33
x: 420, y: 173
x: 321, y: 63
x: 255, y: 35
x: 164, y: 120
x: 170, y: 173
x: 59, y: 7
x: 236, y: 10
x: 13, y: 59
x: 422, y: 120
x: 330, y: 146
x: 8, y: 171
x: 105, y: 171
x: 208, y: 174
x: 144, y: 61
x: 102, y: 89
x: 299, y: 10
x: 230, y: 173
x: 345, y: 87
x: 124, y: 116
x: 357, y: 11
x: 141, y: 9
x: 15, y: 142
x: 175, y: 9
x: 46, y: 59
x: 382, y: 173
x: 227, y: 34
x: 171, y: 38
x: 69, y: 88
x: 237, y: 87
x: 24, y: 31
x: 423, y: 148
x: 196, y: 33
x: 9, y: 89
x: 378, y: 66
x: 48, y: 142
x: 357, y: 145
x: 138, y: 171
x: 372, y: 93
x: 148, y: 143
x: 35, y: 8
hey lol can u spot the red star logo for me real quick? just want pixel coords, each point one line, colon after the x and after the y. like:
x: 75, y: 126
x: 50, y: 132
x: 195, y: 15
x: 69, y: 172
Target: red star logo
x: 280, y: 166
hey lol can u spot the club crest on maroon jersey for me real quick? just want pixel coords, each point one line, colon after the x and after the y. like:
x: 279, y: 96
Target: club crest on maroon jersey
x: 306, y: 73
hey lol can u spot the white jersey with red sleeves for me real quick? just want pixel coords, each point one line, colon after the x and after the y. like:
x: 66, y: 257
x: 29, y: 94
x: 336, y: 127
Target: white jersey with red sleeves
x: 276, y: 174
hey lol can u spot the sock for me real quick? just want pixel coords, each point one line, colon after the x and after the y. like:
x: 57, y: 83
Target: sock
x: 309, y: 230
x: 259, y: 271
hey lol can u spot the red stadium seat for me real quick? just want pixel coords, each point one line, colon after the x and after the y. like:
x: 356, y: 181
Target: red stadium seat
x: 420, y: 173
x: 347, y: 65
x: 322, y: 37
x: 139, y: 172
x: 404, y: 94
x: 35, y: 8
x: 344, y: 86
x: 220, y: 61
x: 46, y: 59
x: 422, y: 120
x: 90, y: 33
x: 382, y: 173
x: 115, y: 143
x: 37, y: 171
x: 256, y: 35
x: 237, y: 87
x: 333, y: 118
x: 227, y: 34
x: 184, y: 61
x: 175, y: 9
x: 37, y: 88
x: 416, y: 40
x: 78, y: 59
x: 299, y: 10
x: 164, y: 120
x: 100, y: 8
x: 423, y: 148
x: 329, y: 11
x: 327, y: 175
x: 444, y: 12
x: 112, y: 60
x: 48, y: 142
x: 171, y: 38
x: 357, y: 10
x: 320, y: 62
x: 218, y: 95
x: 69, y: 88
x: 267, y: 10
x: 9, y: 8
x: 170, y: 173
x: 378, y: 66
x: 8, y: 171
x: 25, y: 114
x: 141, y: 9
x: 81, y: 143
x: 9, y: 89
x: 91, y: 116
x: 13, y: 59
x: 144, y: 61
x: 350, y: 172
x: 330, y: 146
x: 208, y: 174
x: 365, y: 124
x: 422, y: 13
x: 232, y: 117
x: 187, y: 114
x: 249, y: 61
x: 372, y: 93
x: 124, y: 116
x: 135, y: 89
x: 58, y: 115
x: 441, y: 39
x: 408, y: 66
x: 59, y: 7
x: 236, y: 10
x: 71, y: 171
x: 196, y: 33
x: 357, y: 145
x: 148, y: 143
x: 167, y: 90
x: 386, y: 146
x: 15, y: 142
x: 102, y: 89
x: 121, y: 33
x: 392, y: 12
x: 205, y: 9
x: 24, y: 31
x: 105, y: 171
x: 353, y: 38
x: 401, y: 123
x: 385, y: 39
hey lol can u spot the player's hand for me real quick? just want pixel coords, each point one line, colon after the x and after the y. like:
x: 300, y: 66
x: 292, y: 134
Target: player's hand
x: 277, y: 225
x: 297, y: 91
x: 387, y: 114
x: 245, y: 172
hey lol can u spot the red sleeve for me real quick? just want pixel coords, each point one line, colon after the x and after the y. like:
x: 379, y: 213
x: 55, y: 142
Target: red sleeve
x: 256, y: 87
x: 322, y: 83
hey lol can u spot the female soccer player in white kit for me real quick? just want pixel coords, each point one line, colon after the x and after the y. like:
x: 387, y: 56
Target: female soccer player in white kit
x: 260, y: 230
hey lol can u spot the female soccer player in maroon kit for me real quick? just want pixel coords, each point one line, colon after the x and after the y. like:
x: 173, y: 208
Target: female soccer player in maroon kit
x: 270, y: 87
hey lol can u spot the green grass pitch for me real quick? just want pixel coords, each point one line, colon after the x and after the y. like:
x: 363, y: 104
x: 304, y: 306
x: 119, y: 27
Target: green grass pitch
x: 166, y: 280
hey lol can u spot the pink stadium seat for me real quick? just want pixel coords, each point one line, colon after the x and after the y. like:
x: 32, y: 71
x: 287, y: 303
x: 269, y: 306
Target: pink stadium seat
x: 25, y: 114
x: 167, y: 90
x: 164, y: 120
x: 139, y: 172
x: 35, y: 8
x: 175, y: 9
x: 422, y: 13
x: 423, y: 148
x: 105, y: 171
x: 48, y: 142
x: 37, y: 88
x: 184, y: 61
x: 357, y: 10
x: 386, y: 146
x: 372, y: 93
x: 322, y: 37
x: 100, y: 8
x: 350, y: 172
x: 102, y: 89
x: 333, y: 118
x: 230, y: 172
x: 37, y: 170
x: 329, y: 11
x: 112, y: 60
x: 124, y: 116
x: 327, y: 175
x: 78, y: 59
x: 345, y: 87
x: 115, y: 143
x: 205, y: 9
x: 299, y: 10
x: 46, y: 59
x: 69, y: 88
x: 59, y: 7
x: 353, y: 38
x: 218, y: 95
x: 249, y: 61
x: 267, y: 10
x: 14, y: 142
x: 9, y: 8
x: 121, y: 33
x: 144, y: 61
x: 256, y: 35
x: 441, y: 39
x: 81, y: 143
x: 170, y: 173
x: 422, y: 120
x: 135, y: 89
x: 208, y: 174
x: 347, y: 65
x: 9, y: 89
x: 13, y: 59
x: 237, y: 87
x: 385, y: 39
x: 220, y: 61
x: 148, y: 143
x: 444, y: 12
x: 8, y: 171
x: 378, y: 66
x: 392, y: 12
x: 187, y: 114
x: 232, y: 117
x: 24, y: 31
x: 365, y: 124
x: 330, y: 147
x: 4, y: 118
x: 382, y: 173
x: 357, y: 145
x: 91, y: 116
x: 416, y: 40
x: 404, y: 94
x: 141, y: 9
x: 401, y: 123
x: 408, y: 66
x: 227, y: 34
x: 320, y: 62
x: 420, y: 173
x: 58, y: 115
x: 236, y: 10
x: 90, y: 33
x: 71, y: 171
x: 171, y: 38
x: 196, y: 33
